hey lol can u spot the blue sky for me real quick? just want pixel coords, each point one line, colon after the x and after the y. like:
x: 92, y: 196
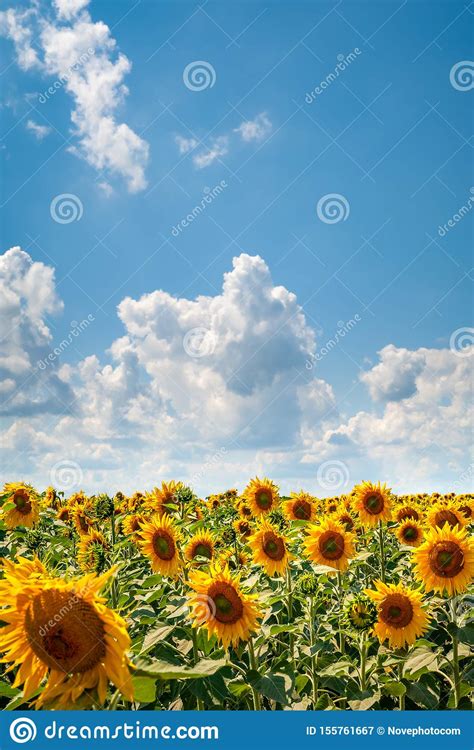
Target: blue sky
x: 390, y: 135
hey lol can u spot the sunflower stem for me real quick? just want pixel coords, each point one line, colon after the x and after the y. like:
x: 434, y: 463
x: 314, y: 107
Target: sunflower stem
x: 341, y: 598
x: 289, y: 586
x: 254, y: 666
x: 382, y: 553
x: 456, y: 674
x: 363, y: 662
x: 200, y: 704
x: 401, y: 700
x: 114, y: 593
x: 314, y: 674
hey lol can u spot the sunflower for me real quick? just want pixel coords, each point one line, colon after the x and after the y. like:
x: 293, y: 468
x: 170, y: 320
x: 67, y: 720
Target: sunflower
x: 445, y: 512
x: 80, y: 515
x: 466, y: 507
x: 92, y: 552
x: 361, y: 613
x: 159, y: 537
x: 242, y: 527
x: 372, y: 502
x: 344, y: 518
x: 61, y: 631
x: 331, y: 505
x: 162, y: 497
x: 22, y: 507
x: 261, y: 496
x: 300, y: 507
x: 328, y: 543
x: 445, y: 560
x: 405, y: 511
x: 219, y: 604
x: 51, y: 498
x: 200, y: 545
x: 269, y: 549
x: 234, y: 560
x: 131, y: 525
x: 401, y: 619
x: 409, y: 532
x: 244, y: 510
x: 78, y: 498
x: 64, y: 514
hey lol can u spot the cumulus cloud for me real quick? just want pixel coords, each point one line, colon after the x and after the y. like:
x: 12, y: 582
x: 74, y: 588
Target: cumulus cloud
x: 27, y: 296
x: 82, y: 55
x: 39, y: 131
x: 256, y: 129
x: 218, y: 148
x: 185, y: 145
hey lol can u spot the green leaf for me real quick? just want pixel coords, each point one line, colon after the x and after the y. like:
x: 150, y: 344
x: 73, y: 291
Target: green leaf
x: 363, y: 704
x: 144, y: 689
x: 274, y: 687
x: 466, y: 634
x: 421, y: 661
x: 155, y: 636
x: 422, y: 695
x: 7, y: 690
x: 394, y: 688
x: 165, y: 671
x: 238, y: 688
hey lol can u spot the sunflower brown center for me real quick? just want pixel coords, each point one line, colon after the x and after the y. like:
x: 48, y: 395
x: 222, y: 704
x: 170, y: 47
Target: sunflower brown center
x: 374, y: 504
x: 227, y: 603
x: 83, y: 523
x: 65, y: 631
x: 203, y: 550
x: 164, y: 545
x: 331, y: 545
x: 465, y: 510
x: 263, y: 499
x: 302, y: 510
x: 446, y: 559
x: 396, y: 610
x: 445, y: 516
x: 22, y: 502
x: 407, y: 513
x: 332, y: 507
x: 245, y: 511
x: 273, y: 546
x: 347, y: 522
x: 410, y: 533
x: 244, y: 528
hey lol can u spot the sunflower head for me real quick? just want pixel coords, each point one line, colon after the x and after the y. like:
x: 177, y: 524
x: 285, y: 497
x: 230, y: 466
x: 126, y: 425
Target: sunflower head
x: 219, y: 604
x: 201, y: 546
x: 409, y: 532
x: 308, y: 584
x: 328, y: 543
x: 92, y: 552
x: 61, y: 631
x: 52, y: 499
x: 372, y: 502
x: 104, y: 507
x: 244, y: 510
x: 344, y: 518
x: 361, y: 613
x: 444, y: 512
x: 445, y: 560
x: 81, y: 516
x: 261, y: 496
x: 400, y: 617
x: 407, y: 511
x: 131, y: 524
x: 21, y: 507
x: 269, y: 548
x: 300, y: 507
x: 242, y: 527
x: 159, y: 542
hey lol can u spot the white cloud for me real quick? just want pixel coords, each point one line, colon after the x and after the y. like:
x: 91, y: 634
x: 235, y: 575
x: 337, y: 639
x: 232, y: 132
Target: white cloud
x: 39, y: 131
x: 82, y: 55
x: 219, y: 147
x: 185, y: 145
x: 256, y: 129
x: 151, y: 407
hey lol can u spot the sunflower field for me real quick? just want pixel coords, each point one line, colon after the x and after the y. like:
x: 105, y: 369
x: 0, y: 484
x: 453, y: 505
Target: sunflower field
x: 163, y: 600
